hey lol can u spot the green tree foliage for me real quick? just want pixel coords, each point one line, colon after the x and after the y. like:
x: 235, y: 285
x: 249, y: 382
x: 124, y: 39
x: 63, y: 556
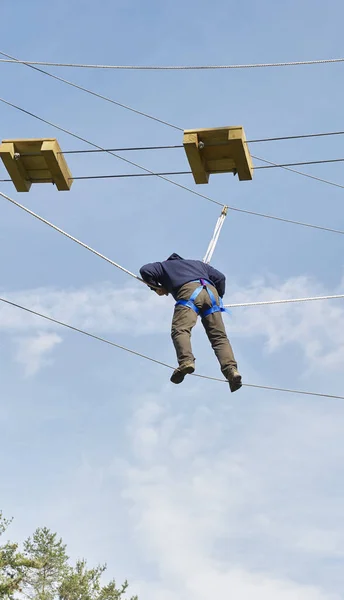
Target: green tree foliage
x: 14, y: 566
x: 50, y: 553
x: 42, y: 572
x: 82, y: 583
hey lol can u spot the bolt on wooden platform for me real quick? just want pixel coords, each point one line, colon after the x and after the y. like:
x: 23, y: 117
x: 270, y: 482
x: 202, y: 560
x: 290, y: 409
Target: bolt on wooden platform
x: 35, y: 161
x: 219, y: 150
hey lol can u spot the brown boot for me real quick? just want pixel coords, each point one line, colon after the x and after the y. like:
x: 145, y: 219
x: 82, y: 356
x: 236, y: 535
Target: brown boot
x: 179, y: 374
x: 234, y: 380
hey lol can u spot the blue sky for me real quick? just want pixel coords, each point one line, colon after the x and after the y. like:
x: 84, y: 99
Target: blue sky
x: 186, y: 490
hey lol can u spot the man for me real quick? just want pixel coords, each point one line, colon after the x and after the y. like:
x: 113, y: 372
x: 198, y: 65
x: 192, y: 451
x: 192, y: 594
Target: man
x: 198, y: 289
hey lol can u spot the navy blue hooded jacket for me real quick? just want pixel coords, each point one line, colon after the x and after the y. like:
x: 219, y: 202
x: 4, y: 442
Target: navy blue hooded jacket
x: 175, y: 271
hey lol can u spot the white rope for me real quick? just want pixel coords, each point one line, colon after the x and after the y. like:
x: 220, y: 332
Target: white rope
x: 208, y: 254
x: 105, y: 341
x: 212, y: 245
x: 244, y: 304
x: 71, y: 237
x: 177, y: 67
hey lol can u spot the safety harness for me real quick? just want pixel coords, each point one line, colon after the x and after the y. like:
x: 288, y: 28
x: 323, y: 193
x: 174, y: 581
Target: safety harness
x: 215, y: 307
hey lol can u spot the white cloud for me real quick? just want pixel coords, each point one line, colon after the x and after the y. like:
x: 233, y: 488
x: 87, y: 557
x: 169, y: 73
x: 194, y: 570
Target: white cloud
x: 103, y: 308
x: 315, y: 328
x: 211, y: 582
x: 322, y: 541
x: 196, y: 496
x: 32, y: 352
x: 211, y: 496
x: 100, y: 309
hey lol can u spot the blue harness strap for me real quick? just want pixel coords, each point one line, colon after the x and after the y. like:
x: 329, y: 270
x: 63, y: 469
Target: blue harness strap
x: 191, y: 302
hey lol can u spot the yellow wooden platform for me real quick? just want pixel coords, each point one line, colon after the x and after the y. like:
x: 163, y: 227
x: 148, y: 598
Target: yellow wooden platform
x: 219, y: 150
x: 35, y: 161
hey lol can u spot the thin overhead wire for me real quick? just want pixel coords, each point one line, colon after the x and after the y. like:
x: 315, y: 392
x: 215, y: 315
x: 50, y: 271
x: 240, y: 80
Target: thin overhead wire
x: 175, y: 183
x: 298, y: 164
x: 83, y: 89
x: 121, y: 175
x: 137, y: 148
x: 290, y: 391
x: 294, y: 137
x: 96, y: 337
x: 269, y: 162
x: 289, y: 300
x: 175, y: 146
x: 156, y: 174
x: 177, y: 67
x: 134, y: 149
x: 129, y: 175
x: 110, y: 343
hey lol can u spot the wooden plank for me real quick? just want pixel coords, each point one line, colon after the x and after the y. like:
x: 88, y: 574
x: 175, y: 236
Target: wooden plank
x: 39, y: 176
x: 241, y: 154
x: 28, y: 145
x: 14, y: 167
x: 225, y: 150
x: 33, y: 162
x: 210, y: 132
x: 224, y: 165
x: 37, y: 160
x: 211, y: 137
x: 217, y: 152
x: 57, y: 165
x: 196, y: 162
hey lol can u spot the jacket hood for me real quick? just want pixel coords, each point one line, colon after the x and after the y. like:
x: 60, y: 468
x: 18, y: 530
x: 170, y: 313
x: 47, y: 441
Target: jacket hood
x: 175, y: 256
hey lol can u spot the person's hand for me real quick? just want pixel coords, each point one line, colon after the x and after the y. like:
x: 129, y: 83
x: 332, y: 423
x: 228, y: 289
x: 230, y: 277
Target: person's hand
x: 162, y: 292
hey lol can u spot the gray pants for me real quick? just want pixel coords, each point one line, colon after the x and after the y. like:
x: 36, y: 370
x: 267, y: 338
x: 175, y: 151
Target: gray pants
x: 184, y: 319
